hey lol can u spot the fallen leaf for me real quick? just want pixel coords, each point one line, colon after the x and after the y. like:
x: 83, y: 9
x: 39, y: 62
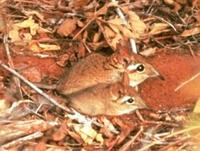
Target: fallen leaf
x: 111, y: 37
x: 61, y: 132
x: 33, y: 46
x: 49, y: 47
x: 148, y: 52
x: 87, y: 133
x: 137, y: 25
x: 4, y: 105
x: 14, y: 33
x: 191, y: 32
x: 27, y: 37
x: 158, y: 28
x: 96, y: 37
x: 197, y: 107
x: 29, y: 23
x: 78, y: 4
x: 169, y: 2
x: 67, y: 27
x: 2, y: 23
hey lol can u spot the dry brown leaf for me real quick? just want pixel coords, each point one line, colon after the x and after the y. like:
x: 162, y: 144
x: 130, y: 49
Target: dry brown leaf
x: 197, y: 107
x: 49, y: 47
x: 61, y: 132
x: 34, y: 12
x: 35, y: 46
x: 158, y: 28
x: 80, y: 23
x: 96, y: 37
x: 134, y: 29
x: 67, y: 27
x: 183, y: 2
x: 196, y: 3
x: 4, y: 105
x: 15, y: 31
x: 169, y: 2
x: 2, y: 23
x: 87, y: 133
x: 191, y: 32
x: 115, y: 24
x: 29, y: 23
x: 78, y: 4
x: 27, y: 37
x: 126, y: 32
x: 14, y: 34
x: 111, y: 37
x: 137, y: 25
x: 148, y: 52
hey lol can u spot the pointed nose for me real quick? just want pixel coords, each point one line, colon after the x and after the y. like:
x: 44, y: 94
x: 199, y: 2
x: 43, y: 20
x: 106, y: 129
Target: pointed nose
x: 155, y: 73
x: 141, y: 103
x: 161, y: 77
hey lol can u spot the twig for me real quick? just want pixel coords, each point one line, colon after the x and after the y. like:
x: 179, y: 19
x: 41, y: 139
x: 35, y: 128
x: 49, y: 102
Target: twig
x: 22, y: 139
x: 130, y: 142
x: 7, y: 50
x: 169, y: 136
x: 186, y: 82
x: 121, y: 15
x: 170, y: 24
x: 174, y: 143
x: 30, y: 84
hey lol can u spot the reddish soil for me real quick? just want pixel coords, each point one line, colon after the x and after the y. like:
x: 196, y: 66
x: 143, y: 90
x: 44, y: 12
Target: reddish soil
x: 46, y: 66
x: 176, y: 68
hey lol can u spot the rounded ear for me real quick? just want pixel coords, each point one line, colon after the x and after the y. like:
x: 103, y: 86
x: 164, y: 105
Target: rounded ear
x: 117, y: 89
x: 124, y: 52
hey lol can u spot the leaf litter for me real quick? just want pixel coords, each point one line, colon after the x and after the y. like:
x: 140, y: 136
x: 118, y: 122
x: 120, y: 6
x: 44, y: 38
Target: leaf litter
x: 65, y: 31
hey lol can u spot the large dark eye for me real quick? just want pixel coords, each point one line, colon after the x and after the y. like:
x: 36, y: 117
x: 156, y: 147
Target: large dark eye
x: 140, y: 68
x: 131, y: 100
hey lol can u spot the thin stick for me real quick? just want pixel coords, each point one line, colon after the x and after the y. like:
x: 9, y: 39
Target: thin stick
x: 130, y: 142
x: 7, y: 50
x: 30, y: 84
x: 121, y: 15
x: 186, y: 82
x: 22, y: 139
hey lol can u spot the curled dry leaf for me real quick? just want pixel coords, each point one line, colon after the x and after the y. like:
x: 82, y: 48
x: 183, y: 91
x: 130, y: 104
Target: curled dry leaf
x: 67, y: 27
x: 158, y: 28
x: 60, y: 133
x: 78, y: 4
x: 169, y: 2
x: 87, y: 133
x: 134, y: 29
x: 148, y: 52
x: 38, y: 47
x: 4, y: 105
x: 191, y: 32
x: 2, y: 23
x: 137, y: 25
x: 29, y: 23
x: 112, y: 37
x: 120, y: 29
x: 14, y: 33
x: 197, y: 106
x: 49, y: 47
x: 96, y: 37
